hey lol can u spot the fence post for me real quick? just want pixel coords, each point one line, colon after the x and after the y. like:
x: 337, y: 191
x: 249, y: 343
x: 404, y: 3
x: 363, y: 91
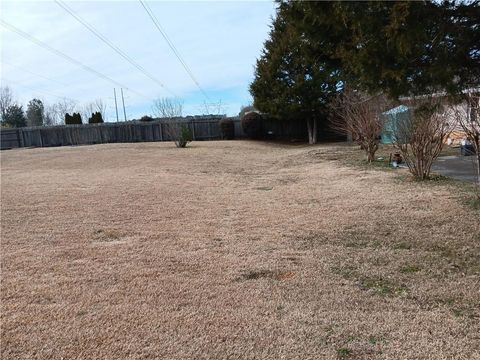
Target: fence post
x: 20, y: 137
x: 41, y: 137
x: 193, y: 129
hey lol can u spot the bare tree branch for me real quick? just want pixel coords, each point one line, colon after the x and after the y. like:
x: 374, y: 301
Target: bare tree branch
x: 50, y: 115
x: 467, y: 116
x: 357, y: 115
x: 6, y: 100
x: 62, y: 107
x: 420, y: 137
x: 170, y: 109
x: 167, y: 107
x: 101, y: 107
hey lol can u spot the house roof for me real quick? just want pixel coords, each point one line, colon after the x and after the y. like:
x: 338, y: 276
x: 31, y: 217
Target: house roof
x: 396, y: 110
x: 468, y: 91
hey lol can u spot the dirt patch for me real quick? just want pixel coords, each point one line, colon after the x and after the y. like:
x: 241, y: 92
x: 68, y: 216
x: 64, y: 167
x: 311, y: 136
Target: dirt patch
x: 107, y: 237
x: 267, y: 274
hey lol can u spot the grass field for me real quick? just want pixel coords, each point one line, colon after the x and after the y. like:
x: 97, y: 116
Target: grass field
x: 232, y: 250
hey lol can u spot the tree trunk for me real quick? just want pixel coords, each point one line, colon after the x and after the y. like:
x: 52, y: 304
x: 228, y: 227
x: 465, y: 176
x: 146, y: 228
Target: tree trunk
x: 309, y: 129
x: 349, y: 137
x: 476, y: 148
x: 371, y: 149
x: 312, y: 131
x: 478, y: 169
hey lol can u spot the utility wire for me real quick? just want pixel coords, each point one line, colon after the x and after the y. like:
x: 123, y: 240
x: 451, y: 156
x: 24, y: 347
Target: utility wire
x: 35, y: 74
x: 44, y: 92
x: 120, y: 52
x: 171, y: 45
x: 63, y: 55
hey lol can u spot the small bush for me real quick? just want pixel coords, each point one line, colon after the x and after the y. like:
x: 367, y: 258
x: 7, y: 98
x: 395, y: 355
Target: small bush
x: 419, y: 137
x: 252, y: 124
x: 185, y: 136
x: 146, y: 118
x: 96, y: 118
x: 179, y: 133
x: 68, y: 119
x: 227, y: 129
x: 75, y: 119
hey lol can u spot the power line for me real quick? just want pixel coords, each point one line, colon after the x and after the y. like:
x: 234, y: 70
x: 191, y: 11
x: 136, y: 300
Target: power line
x: 171, y: 45
x: 120, y: 52
x: 44, y: 92
x: 35, y: 74
x: 63, y: 55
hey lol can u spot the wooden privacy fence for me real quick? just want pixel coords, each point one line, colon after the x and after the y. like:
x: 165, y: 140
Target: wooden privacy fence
x: 42, y: 136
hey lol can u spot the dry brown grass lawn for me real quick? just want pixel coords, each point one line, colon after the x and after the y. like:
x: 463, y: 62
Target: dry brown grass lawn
x: 231, y: 250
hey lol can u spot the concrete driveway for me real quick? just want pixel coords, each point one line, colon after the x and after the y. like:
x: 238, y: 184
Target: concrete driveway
x: 457, y: 167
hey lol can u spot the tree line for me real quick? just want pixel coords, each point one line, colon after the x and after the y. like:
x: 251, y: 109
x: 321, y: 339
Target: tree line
x: 39, y: 114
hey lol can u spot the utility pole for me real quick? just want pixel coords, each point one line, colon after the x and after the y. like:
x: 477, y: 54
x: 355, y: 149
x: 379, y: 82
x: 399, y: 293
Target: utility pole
x: 115, y: 96
x: 123, y: 102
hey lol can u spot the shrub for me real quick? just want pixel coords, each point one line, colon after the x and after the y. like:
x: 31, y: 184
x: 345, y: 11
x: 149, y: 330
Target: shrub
x: 75, y: 119
x: 146, y: 118
x: 252, y: 125
x: 246, y: 109
x: 179, y: 133
x: 96, y: 118
x: 227, y: 129
x: 185, y: 136
x: 358, y: 115
x: 420, y: 136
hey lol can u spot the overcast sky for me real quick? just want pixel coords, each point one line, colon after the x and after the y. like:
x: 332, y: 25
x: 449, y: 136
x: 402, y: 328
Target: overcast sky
x: 219, y: 42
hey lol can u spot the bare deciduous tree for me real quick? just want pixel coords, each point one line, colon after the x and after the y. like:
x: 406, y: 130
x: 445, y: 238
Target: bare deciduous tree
x: 245, y: 109
x: 92, y: 107
x: 6, y: 100
x: 100, y: 107
x: 357, y: 115
x: 420, y: 137
x: 170, y: 109
x: 167, y: 107
x: 62, y: 107
x: 467, y: 116
x: 50, y: 117
x: 87, y: 110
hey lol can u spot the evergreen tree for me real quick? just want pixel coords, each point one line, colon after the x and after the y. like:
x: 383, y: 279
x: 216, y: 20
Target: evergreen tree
x: 68, y: 119
x: 74, y: 119
x: 96, y: 118
x: 397, y: 47
x: 14, y: 116
x: 294, y: 80
x: 35, y: 113
x: 77, y: 119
